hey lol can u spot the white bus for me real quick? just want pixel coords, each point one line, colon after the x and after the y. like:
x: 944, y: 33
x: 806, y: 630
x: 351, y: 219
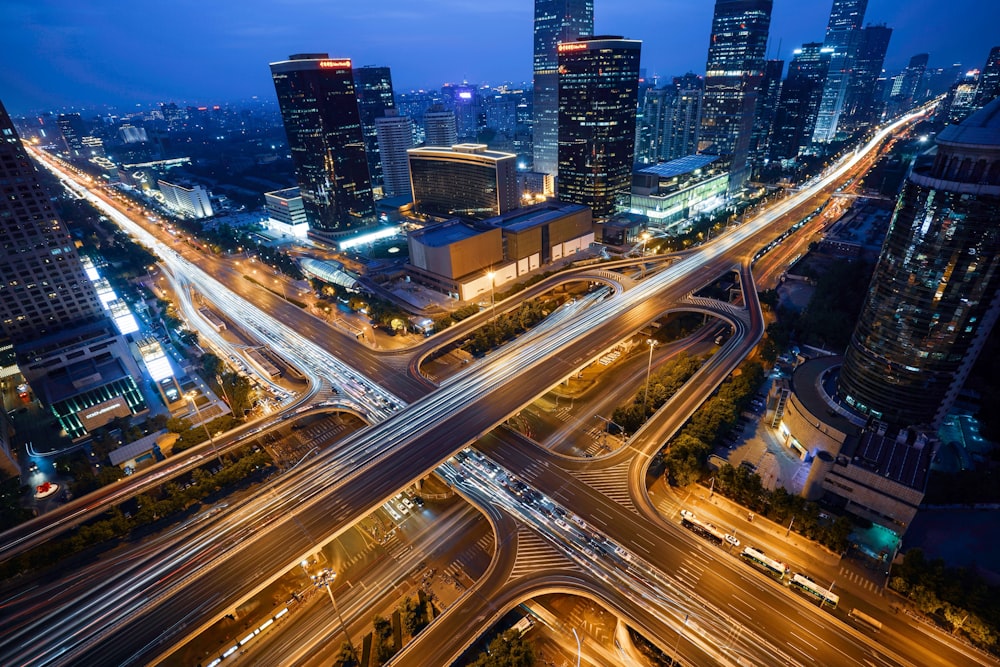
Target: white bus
x: 772, y: 567
x: 867, y: 620
x: 810, y: 587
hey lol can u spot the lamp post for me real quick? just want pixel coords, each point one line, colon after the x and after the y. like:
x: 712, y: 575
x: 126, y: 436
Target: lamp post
x: 190, y: 396
x: 645, y: 237
x: 493, y: 302
x: 324, y: 578
x: 649, y: 367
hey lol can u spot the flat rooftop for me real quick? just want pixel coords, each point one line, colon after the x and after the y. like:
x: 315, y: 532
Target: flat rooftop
x: 684, y: 165
x: 445, y: 233
x: 521, y: 219
x: 904, y: 458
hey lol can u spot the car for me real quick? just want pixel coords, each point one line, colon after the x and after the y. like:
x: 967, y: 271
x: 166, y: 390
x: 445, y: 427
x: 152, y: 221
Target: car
x: 409, y: 504
x: 733, y: 540
x: 402, y: 508
x: 562, y: 524
x: 621, y: 553
x: 687, y: 514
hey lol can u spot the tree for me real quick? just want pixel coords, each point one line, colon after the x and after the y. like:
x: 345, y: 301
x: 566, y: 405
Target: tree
x: 413, y: 615
x: 507, y: 650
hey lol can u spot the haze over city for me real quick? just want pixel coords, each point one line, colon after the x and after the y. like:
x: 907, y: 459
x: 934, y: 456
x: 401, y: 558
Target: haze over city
x: 73, y: 55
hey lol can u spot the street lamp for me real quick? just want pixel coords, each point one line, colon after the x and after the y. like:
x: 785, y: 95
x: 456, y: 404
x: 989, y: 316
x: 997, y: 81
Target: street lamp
x: 649, y: 367
x: 190, y: 396
x: 644, y: 237
x: 323, y: 578
x: 493, y: 302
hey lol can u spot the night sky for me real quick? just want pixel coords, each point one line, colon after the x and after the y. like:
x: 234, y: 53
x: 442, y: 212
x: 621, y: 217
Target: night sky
x: 79, y: 54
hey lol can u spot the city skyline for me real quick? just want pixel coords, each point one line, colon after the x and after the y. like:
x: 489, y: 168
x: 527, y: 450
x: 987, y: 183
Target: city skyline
x: 71, y: 56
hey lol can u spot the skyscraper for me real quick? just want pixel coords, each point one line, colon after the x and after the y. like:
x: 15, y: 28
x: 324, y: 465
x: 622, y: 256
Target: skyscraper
x: 72, y: 131
x: 801, y: 96
x: 935, y: 294
x: 67, y: 348
x: 652, y: 123
x: 598, y: 87
x: 556, y: 21
x: 395, y: 137
x: 989, y: 78
x: 843, y: 33
x: 373, y: 86
x: 911, y: 86
x: 320, y: 112
x: 767, y: 107
x: 465, y: 180
x: 863, y: 105
x: 684, y: 120
x: 733, y: 74
x: 440, y: 128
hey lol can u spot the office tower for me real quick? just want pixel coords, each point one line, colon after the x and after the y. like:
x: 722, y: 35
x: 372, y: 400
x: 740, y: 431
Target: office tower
x: 285, y: 212
x: 843, y: 33
x: 556, y: 21
x: 960, y: 101
x: 465, y: 180
x: 463, y: 100
x: 395, y: 137
x: 733, y: 73
x: 989, y: 78
x: 440, y: 128
x: 801, y: 98
x: 935, y: 294
x: 863, y: 106
x: 373, y: 86
x: 72, y: 131
x: 320, y: 112
x: 131, y: 134
x: 66, y: 347
x: 684, y: 120
x: 652, y: 122
x: 767, y: 108
x: 911, y: 84
x: 598, y: 86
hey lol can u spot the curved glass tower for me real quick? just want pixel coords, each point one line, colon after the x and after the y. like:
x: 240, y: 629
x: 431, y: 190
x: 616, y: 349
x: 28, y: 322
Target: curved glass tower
x: 935, y: 294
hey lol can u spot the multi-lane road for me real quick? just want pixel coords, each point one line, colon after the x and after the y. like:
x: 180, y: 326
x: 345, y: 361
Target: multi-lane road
x: 173, y: 588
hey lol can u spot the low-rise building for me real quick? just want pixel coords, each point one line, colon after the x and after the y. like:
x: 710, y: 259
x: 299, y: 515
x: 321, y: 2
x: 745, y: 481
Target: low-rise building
x: 670, y: 192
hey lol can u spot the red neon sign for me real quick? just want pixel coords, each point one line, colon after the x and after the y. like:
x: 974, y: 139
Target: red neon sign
x: 572, y: 46
x: 333, y: 64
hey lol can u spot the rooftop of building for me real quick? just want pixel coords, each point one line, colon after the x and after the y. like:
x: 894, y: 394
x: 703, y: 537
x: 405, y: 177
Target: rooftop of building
x: 980, y: 129
x: 521, y: 219
x: 477, y: 150
x: 683, y: 165
x: 287, y: 193
x: 61, y: 386
x: 903, y: 457
x: 445, y: 233
x: 812, y: 382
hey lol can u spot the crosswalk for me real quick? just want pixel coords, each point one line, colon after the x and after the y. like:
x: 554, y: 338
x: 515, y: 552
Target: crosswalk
x: 535, y: 555
x: 861, y: 581
x: 612, y: 482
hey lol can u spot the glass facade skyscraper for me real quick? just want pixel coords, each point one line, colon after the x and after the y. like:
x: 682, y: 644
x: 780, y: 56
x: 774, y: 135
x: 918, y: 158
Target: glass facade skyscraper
x: 320, y: 112
x: 373, y: 86
x: 935, y: 294
x: 598, y: 90
x: 843, y: 34
x: 733, y: 74
x: 556, y: 21
x: 800, y: 100
x: 862, y: 105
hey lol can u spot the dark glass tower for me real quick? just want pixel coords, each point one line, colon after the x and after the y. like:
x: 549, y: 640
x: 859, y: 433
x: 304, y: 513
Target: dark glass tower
x: 801, y: 95
x: 862, y: 106
x: 733, y: 74
x: 935, y: 294
x: 320, y: 112
x: 598, y: 89
x: 767, y: 107
x: 989, y: 79
x: 555, y: 21
x: 843, y: 33
x: 373, y: 86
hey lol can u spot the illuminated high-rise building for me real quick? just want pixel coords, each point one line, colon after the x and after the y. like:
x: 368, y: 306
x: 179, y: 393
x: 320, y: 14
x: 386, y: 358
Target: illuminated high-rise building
x: 66, y: 347
x: 863, y: 104
x: 598, y: 87
x: 733, y: 74
x: 440, y: 128
x: 373, y: 86
x: 72, y: 131
x: 319, y: 108
x: 767, y: 109
x: 801, y: 96
x: 395, y: 137
x: 468, y: 181
x: 684, y: 119
x: 989, y: 78
x: 556, y: 21
x: 935, y: 294
x: 843, y: 34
